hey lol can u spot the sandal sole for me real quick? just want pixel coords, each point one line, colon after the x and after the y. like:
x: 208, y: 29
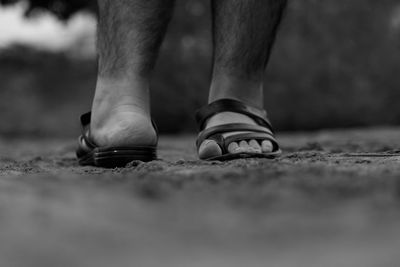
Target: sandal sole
x: 228, y: 157
x: 113, y: 157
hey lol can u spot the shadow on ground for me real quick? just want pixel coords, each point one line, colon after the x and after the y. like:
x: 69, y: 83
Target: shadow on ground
x: 318, y: 205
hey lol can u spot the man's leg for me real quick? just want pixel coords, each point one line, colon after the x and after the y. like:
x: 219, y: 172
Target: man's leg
x: 129, y: 36
x: 244, y: 33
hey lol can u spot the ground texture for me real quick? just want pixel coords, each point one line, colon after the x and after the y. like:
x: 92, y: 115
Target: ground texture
x: 323, y: 203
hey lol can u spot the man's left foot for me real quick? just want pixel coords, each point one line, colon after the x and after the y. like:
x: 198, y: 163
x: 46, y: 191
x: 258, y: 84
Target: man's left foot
x: 210, y: 148
x: 231, y: 128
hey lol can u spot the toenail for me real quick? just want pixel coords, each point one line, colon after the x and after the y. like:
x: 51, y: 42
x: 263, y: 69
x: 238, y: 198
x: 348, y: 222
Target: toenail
x: 206, y: 142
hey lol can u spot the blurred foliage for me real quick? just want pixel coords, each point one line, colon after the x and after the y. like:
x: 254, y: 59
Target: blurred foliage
x: 335, y: 64
x: 43, y: 93
x: 64, y: 9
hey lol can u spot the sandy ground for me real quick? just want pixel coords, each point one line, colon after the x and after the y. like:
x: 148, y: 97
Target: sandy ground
x: 317, y: 205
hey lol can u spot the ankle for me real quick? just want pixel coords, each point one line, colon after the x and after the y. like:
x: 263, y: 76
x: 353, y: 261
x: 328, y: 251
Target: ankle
x: 121, y: 113
x: 249, y: 91
x: 121, y: 94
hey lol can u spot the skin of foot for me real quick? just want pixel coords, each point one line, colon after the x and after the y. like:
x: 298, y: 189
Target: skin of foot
x: 239, y: 63
x: 209, y: 148
x: 130, y: 33
x: 123, y: 127
x: 121, y: 119
x: 128, y: 49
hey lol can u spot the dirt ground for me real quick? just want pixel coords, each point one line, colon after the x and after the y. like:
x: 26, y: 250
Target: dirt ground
x: 323, y: 203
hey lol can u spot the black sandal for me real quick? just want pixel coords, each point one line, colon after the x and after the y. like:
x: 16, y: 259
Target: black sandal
x: 89, y: 153
x: 261, y: 132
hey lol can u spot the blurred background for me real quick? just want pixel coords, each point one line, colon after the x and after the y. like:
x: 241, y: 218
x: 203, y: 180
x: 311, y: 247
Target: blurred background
x: 336, y: 64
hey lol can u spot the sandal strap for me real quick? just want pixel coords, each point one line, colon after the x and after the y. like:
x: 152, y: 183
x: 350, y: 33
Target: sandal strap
x: 231, y: 105
x: 88, y: 144
x: 85, y: 119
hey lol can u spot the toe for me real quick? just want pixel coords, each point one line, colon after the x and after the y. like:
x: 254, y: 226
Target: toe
x: 209, y: 149
x: 255, y: 145
x: 244, y: 144
x: 266, y: 146
x: 234, y: 148
x: 245, y: 147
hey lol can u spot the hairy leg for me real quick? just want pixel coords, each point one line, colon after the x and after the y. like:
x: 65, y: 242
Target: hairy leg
x: 130, y: 33
x: 244, y: 33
